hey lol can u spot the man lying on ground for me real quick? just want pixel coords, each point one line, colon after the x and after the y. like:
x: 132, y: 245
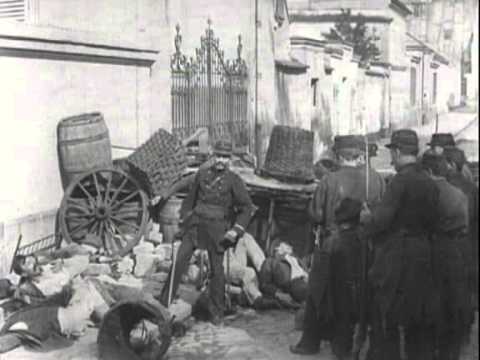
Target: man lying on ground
x: 284, y: 272
x: 275, y: 272
x: 70, y: 298
x: 91, y: 299
x: 44, y: 276
x: 238, y: 272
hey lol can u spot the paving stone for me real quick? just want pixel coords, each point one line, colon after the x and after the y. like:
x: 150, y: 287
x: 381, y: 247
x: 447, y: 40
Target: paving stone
x: 255, y: 336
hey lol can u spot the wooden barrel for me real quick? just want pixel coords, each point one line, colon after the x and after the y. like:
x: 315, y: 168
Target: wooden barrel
x: 83, y: 145
x: 169, y: 218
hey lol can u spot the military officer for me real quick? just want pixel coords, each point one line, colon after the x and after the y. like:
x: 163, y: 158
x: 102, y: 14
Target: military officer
x: 217, y: 200
x: 347, y: 182
x: 401, y: 274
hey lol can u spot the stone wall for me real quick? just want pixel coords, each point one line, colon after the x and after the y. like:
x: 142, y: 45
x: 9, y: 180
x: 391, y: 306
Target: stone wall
x: 342, y: 97
x: 114, y: 57
x: 47, y: 78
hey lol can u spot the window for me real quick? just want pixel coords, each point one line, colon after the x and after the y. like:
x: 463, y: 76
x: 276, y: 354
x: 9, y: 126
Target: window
x: 413, y: 86
x: 13, y: 10
x: 447, y: 34
x: 434, y: 89
x: 314, y: 86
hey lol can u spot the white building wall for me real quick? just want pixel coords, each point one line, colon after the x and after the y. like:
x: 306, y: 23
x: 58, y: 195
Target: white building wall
x: 111, y: 56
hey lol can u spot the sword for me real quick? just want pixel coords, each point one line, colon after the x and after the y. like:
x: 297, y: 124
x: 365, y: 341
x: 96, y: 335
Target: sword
x: 228, y: 305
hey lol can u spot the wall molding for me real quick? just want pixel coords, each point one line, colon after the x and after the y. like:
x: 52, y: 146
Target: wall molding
x: 305, y: 41
x: 401, y: 68
x: 309, y: 17
x: 27, y: 41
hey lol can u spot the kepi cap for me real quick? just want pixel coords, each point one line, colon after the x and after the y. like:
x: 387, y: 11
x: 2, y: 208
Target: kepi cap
x: 353, y: 143
x: 223, y: 147
x: 403, y: 139
x: 442, y: 140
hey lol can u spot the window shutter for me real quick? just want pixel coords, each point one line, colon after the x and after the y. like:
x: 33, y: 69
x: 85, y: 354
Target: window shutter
x: 12, y: 10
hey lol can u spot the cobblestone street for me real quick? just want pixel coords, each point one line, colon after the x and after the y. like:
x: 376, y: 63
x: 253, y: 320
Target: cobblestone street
x: 251, y: 336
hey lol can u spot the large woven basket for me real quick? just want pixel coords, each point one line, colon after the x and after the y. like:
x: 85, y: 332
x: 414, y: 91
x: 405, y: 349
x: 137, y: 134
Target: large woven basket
x: 290, y: 155
x: 158, y: 163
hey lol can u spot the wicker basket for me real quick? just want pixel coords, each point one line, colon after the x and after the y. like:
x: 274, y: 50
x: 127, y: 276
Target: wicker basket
x: 158, y: 163
x: 289, y: 155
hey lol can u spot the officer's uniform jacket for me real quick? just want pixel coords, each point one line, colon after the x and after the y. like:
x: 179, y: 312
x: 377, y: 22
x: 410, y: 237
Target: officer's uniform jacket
x: 219, y: 198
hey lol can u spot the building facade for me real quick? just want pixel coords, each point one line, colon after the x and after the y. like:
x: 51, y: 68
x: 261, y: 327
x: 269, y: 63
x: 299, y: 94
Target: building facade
x: 64, y: 57
x: 450, y: 26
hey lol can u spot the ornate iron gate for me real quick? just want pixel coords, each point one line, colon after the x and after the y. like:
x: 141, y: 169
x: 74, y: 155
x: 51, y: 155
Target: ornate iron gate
x: 209, y: 91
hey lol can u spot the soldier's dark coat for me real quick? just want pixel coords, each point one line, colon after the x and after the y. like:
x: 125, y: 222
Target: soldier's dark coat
x: 471, y: 192
x: 401, y: 227
x: 404, y: 297
x: 449, y: 248
x: 329, y: 306
x: 346, y: 182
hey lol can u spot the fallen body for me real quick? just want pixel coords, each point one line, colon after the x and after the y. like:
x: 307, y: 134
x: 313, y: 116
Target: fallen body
x: 61, y: 300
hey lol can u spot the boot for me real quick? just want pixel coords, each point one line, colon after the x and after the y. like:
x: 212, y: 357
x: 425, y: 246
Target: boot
x: 302, y: 348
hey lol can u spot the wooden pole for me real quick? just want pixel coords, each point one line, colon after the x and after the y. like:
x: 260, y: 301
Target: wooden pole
x: 269, y: 224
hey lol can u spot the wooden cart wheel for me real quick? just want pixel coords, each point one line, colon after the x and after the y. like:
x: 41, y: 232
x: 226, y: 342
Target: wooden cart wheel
x: 105, y: 208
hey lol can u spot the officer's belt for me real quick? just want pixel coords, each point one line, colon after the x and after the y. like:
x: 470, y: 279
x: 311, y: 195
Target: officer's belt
x: 210, y: 212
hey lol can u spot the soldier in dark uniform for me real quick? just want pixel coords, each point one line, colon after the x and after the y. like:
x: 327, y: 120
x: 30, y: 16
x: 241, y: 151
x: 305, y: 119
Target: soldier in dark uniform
x: 217, y: 199
x: 456, y: 161
x: 450, y: 267
x: 348, y: 182
x: 442, y: 141
x: 400, y: 229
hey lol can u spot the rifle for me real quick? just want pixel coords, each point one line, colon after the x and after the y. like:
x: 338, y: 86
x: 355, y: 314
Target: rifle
x: 361, y: 328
